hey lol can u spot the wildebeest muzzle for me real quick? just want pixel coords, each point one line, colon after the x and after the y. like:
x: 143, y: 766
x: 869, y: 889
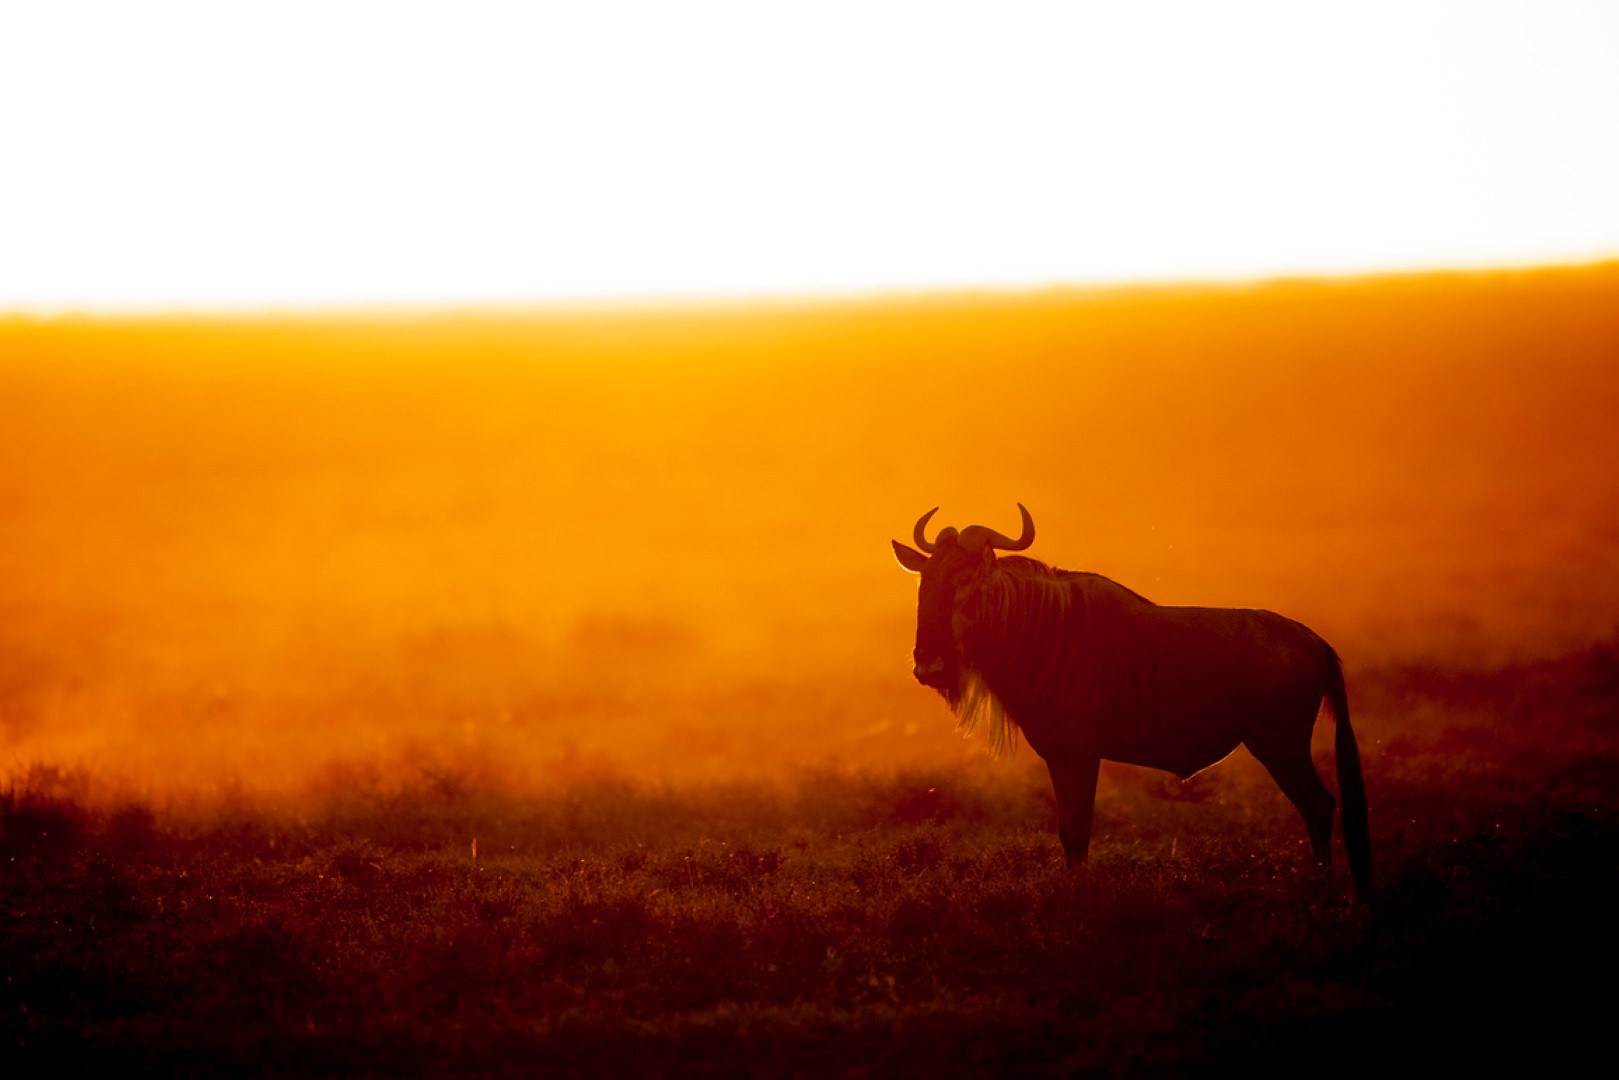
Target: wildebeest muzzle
x: 932, y: 671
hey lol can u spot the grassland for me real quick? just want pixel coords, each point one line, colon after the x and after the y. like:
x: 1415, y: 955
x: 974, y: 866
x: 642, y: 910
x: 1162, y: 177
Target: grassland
x: 848, y: 924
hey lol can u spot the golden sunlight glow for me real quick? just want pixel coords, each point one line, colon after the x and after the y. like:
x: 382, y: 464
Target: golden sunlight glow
x: 261, y: 550
x: 184, y: 154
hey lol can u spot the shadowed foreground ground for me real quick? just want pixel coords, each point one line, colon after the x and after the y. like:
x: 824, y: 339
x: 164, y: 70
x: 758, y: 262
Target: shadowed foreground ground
x: 914, y: 923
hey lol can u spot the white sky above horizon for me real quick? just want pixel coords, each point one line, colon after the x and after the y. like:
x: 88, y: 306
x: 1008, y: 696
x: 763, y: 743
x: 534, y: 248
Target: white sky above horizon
x: 199, y: 155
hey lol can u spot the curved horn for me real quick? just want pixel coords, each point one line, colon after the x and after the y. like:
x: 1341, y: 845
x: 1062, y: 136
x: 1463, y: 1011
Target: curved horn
x: 1006, y: 543
x: 916, y: 533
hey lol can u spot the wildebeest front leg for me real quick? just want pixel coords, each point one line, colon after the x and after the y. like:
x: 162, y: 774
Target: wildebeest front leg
x: 1073, y: 779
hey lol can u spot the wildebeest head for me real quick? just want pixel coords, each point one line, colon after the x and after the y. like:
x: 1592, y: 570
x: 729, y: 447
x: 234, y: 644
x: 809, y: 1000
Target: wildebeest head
x: 953, y: 566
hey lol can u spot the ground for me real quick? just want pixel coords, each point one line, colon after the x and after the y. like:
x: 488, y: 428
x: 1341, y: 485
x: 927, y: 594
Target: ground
x: 846, y: 924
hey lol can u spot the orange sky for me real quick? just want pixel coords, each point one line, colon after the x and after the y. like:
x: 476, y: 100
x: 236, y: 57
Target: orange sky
x: 657, y: 539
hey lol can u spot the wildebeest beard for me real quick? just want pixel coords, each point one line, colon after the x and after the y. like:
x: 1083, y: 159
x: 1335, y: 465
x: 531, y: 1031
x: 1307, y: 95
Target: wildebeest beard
x: 976, y: 706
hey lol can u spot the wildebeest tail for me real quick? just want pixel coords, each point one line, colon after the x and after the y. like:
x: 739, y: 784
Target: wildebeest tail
x: 1351, y: 784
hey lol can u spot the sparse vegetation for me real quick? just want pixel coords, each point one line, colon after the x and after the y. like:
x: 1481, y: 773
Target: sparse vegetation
x: 911, y: 923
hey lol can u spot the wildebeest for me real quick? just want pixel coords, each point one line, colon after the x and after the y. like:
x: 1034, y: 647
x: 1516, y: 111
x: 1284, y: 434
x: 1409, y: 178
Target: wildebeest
x: 1087, y: 670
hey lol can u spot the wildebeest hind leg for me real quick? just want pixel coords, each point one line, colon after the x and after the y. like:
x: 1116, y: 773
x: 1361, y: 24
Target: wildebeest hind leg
x: 1289, y: 764
x: 1073, y: 780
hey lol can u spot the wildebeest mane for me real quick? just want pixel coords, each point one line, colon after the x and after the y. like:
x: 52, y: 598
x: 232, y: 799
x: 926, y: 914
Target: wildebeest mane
x: 1024, y: 566
x: 1027, y: 626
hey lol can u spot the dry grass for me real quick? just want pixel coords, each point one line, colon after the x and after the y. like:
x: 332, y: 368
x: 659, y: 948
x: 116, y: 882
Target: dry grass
x: 834, y: 923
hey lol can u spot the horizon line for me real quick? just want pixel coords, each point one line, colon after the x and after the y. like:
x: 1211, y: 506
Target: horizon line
x: 674, y: 301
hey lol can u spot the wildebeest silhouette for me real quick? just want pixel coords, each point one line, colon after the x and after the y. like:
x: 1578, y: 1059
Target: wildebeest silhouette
x: 1087, y: 670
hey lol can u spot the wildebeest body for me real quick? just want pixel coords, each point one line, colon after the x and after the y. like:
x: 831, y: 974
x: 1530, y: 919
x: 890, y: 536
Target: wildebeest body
x: 1088, y: 670
x: 1174, y: 688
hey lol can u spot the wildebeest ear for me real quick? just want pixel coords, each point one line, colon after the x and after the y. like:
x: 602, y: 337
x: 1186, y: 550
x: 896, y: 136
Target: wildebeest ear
x: 910, y: 558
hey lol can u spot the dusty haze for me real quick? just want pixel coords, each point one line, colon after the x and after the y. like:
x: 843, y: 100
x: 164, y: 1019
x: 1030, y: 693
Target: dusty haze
x: 262, y: 556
